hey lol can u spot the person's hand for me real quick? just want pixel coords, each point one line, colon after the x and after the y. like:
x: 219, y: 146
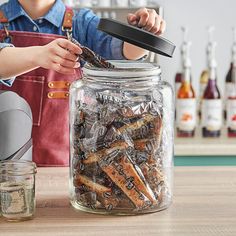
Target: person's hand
x: 60, y: 55
x: 147, y: 19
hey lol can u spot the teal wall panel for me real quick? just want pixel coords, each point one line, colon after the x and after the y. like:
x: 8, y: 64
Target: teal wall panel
x: 205, y: 160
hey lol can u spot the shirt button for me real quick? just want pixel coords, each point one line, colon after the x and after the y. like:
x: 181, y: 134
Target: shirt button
x: 35, y: 28
x: 40, y: 21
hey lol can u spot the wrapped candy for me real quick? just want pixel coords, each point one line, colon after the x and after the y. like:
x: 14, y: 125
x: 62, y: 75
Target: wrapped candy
x: 121, y: 148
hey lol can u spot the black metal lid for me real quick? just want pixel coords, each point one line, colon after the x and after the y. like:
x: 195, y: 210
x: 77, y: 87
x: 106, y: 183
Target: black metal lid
x: 137, y: 36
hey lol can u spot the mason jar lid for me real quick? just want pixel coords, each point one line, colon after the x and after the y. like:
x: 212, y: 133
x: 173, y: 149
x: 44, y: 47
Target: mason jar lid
x: 137, y: 36
x: 124, y: 69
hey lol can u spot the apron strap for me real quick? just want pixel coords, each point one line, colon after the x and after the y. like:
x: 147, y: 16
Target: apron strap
x: 67, y: 25
x: 5, y: 23
x: 67, y: 22
x: 3, y: 19
x: 22, y: 151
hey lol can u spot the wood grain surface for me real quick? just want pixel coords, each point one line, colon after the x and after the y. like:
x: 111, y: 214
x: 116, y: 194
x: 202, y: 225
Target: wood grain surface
x: 204, y: 204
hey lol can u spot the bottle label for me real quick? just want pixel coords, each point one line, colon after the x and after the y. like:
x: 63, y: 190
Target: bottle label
x: 212, y: 114
x: 186, y: 114
x: 231, y: 114
x: 229, y: 90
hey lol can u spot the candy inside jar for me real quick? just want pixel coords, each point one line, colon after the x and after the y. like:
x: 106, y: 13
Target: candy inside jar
x: 121, y: 140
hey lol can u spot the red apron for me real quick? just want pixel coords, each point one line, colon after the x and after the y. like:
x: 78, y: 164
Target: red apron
x: 46, y: 91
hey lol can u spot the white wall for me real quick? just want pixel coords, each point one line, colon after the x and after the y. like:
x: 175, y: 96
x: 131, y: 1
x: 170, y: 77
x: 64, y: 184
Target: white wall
x: 197, y: 15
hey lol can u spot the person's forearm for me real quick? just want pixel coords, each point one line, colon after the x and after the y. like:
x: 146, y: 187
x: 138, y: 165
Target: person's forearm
x: 16, y: 61
x: 132, y: 52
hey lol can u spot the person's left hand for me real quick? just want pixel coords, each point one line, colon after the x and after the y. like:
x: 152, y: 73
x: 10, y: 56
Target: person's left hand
x: 147, y: 19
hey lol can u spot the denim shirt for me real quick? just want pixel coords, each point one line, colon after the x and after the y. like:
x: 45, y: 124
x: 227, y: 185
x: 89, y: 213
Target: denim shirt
x: 84, y: 27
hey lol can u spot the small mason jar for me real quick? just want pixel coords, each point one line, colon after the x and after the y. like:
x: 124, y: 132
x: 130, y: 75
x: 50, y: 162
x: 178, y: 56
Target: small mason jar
x: 17, y: 190
x: 121, y: 140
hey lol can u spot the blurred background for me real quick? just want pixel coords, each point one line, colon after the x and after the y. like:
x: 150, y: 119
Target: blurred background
x: 196, y: 16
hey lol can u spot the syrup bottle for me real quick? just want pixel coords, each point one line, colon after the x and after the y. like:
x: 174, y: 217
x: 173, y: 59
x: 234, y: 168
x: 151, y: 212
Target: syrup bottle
x: 212, y: 103
x: 229, y: 82
x: 205, y: 73
x: 231, y: 106
x: 178, y: 76
x: 230, y: 92
x: 186, y: 101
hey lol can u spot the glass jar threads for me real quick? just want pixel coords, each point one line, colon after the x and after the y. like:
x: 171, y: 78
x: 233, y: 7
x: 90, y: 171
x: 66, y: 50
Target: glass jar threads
x: 121, y: 140
x: 17, y: 190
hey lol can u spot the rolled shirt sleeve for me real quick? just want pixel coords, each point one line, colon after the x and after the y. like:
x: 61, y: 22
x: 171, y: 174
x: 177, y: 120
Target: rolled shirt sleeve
x: 8, y: 82
x: 86, y: 32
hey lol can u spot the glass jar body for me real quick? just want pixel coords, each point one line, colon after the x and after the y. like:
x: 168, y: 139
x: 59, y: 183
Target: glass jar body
x: 17, y: 190
x: 121, y: 142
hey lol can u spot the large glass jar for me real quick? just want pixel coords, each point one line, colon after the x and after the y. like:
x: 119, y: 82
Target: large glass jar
x: 121, y: 140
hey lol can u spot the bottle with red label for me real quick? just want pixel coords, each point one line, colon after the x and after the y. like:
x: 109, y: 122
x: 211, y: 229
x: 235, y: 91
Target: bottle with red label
x: 230, y: 84
x: 212, y: 104
x: 230, y: 92
x: 231, y: 106
x: 186, y: 102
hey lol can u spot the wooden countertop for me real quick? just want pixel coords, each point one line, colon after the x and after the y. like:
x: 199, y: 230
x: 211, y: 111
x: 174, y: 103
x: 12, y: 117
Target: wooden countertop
x: 204, y: 204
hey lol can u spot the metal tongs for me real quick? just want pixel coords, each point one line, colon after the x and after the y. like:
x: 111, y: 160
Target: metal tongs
x: 91, y: 57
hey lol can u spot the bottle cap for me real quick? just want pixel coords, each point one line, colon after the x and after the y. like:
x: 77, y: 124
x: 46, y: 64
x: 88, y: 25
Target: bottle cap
x: 184, y: 44
x: 212, y: 61
x: 234, y: 47
x: 137, y: 36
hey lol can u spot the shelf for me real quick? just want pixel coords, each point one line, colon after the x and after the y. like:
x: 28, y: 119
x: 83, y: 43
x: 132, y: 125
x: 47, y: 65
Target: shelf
x: 120, y: 12
x: 199, y: 146
x: 118, y: 8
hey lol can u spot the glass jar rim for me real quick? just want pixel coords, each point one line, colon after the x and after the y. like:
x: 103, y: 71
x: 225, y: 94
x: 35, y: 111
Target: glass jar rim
x: 17, y: 168
x: 125, y: 69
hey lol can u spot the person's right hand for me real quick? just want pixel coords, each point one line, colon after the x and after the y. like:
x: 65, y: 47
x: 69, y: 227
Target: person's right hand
x: 60, y: 55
